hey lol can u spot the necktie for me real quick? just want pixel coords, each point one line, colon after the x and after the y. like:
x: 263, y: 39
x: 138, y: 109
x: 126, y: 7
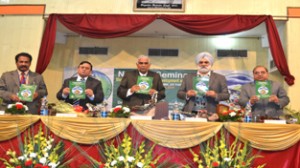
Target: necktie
x: 23, y: 79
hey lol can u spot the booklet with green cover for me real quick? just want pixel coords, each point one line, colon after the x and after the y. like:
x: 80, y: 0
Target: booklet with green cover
x: 200, y: 84
x: 145, y: 83
x: 26, y: 92
x: 77, y: 90
x: 263, y: 89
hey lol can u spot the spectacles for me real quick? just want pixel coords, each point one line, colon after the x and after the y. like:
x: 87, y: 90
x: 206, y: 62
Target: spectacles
x: 141, y: 63
x: 203, y: 62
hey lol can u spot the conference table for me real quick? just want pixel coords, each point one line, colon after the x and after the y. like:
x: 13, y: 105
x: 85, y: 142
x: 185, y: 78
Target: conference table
x: 279, y: 144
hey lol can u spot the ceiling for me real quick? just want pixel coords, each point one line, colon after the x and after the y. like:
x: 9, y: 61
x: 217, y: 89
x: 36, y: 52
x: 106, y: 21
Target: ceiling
x: 160, y: 28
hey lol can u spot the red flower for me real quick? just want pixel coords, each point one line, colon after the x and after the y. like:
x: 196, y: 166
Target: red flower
x: 215, y: 164
x: 243, y: 163
x: 152, y: 165
x: 19, y: 106
x: 19, y: 166
x: 28, y: 163
x: 38, y: 165
x: 101, y: 165
x: 117, y: 109
x: 78, y: 108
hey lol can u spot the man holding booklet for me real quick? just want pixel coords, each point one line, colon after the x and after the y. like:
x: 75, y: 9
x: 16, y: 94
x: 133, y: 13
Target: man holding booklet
x: 203, y: 89
x: 138, y: 86
x: 265, y: 97
x: 23, y: 85
x: 82, y: 89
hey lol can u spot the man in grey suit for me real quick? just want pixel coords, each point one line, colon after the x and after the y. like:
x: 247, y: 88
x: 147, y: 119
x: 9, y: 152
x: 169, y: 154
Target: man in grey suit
x: 128, y: 89
x: 10, y: 83
x: 93, y: 91
x: 270, y: 107
x: 203, y: 104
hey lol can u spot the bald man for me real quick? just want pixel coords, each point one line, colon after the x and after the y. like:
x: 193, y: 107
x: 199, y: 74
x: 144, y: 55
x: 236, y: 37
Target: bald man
x: 269, y: 107
x: 205, y: 103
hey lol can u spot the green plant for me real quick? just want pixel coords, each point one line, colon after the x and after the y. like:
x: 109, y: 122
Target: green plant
x: 126, y: 156
x: 219, y: 154
x: 289, y: 112
x: 37, y: 151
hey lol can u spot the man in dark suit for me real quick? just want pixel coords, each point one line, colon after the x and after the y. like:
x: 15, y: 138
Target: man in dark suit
x: 11, y: 81
x: 270, y: 107
x: 93, y: 91
x: 128, y: 89
x: 216, y: 91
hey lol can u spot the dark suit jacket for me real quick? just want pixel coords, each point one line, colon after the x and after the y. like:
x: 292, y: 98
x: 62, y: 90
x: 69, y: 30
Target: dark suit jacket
x: 216, y: 83
x: 263, y: 106
x: 130, y: 79
x: 91, y: 83
x: 10, y: 84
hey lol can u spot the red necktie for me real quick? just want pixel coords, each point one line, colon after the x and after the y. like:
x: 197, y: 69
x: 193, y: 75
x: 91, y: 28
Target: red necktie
x: 23, y: 79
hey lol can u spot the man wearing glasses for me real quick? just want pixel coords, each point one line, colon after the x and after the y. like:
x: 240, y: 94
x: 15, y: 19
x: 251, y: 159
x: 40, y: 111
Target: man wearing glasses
x: 203, y: 90
x: 263, y: 106
x: 129, y: 90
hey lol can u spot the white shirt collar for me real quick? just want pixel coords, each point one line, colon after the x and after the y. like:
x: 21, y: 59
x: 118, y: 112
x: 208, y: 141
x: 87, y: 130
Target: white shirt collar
x: 208, y: 74
x: 79, y: 78
x: 143, y: 74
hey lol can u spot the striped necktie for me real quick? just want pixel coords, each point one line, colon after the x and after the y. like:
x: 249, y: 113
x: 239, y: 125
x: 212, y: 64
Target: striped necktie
x: 23, y: 79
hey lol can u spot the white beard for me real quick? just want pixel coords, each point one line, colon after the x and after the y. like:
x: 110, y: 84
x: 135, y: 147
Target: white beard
x: 204, y: 70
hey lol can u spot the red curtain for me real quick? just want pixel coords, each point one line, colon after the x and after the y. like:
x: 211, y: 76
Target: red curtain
x: 110, y: 26
x: 94, y: 26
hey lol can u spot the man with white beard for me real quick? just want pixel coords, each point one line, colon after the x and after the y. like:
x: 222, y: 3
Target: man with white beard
x: 203, y: 90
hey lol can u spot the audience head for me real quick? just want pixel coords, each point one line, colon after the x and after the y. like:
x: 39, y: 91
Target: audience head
x: 204, y: 61
x: 84, y: 69
x: 23, y: 61
x: 143, y: 64
x: 260, y: 73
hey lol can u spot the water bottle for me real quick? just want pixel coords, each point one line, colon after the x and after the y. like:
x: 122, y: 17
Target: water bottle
x: 44, y: 108
x: 103, y: 112
x: 175, y: 115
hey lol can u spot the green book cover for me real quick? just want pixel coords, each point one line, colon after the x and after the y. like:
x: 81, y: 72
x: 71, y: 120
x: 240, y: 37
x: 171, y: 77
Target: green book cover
x: 145, y: 83
x: 263, y: 89
x: 26, y: 92
x: 200, y: 84
x: 77, y: 90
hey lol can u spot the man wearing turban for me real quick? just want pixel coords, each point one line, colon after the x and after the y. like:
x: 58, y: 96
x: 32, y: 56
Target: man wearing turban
x: 203, y: 89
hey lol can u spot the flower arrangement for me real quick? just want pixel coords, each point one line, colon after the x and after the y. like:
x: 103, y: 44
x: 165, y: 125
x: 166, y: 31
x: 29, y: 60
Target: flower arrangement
x: 38, y: 152
x: 219, y: 154
x: 63, y: 107
x: 18, y: 108
x: 293, y: 116
x: 119, y: 111
x: 125, y: 155
x: 232, y: 112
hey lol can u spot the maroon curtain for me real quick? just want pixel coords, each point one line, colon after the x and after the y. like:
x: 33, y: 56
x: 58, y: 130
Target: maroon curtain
x: 110, y: 26
x: 226, y: 24
x: 94, y: 26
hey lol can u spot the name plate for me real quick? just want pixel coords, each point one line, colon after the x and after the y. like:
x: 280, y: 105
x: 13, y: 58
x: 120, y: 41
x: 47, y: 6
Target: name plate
x: 196, y: 119
x: 66, y: 115
x: 141, y: 117
x: 275, y: 121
